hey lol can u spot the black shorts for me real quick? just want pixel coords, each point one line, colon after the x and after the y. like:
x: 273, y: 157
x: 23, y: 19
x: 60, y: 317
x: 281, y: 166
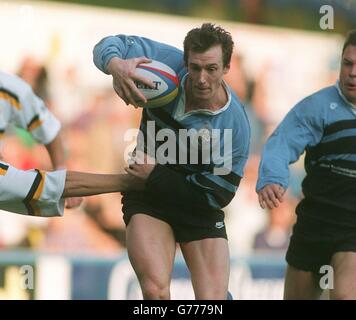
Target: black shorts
x: 308, y: 255
x: 188, y: 224
x: 316, y: 239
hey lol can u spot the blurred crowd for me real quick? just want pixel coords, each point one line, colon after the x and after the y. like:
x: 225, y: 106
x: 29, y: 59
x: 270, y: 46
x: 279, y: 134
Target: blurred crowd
x: 287, y: 13
x: 94, y: 122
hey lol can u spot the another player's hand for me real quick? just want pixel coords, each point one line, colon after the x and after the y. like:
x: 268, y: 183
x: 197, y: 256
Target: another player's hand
x: 140, y: 166
x: 270, y: 196
x: 71, y: 203
x: 124, y: 76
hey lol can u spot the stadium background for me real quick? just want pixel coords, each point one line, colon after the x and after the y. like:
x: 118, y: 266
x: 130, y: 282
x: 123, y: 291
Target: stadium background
x: 281, y: 56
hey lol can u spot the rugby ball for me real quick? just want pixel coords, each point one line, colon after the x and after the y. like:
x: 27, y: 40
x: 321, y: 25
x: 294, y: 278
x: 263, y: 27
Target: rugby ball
x: 165, y: 82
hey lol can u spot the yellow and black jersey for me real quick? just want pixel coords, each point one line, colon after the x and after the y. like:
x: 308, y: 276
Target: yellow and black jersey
x: 31, y: 192
x: 20, y: 107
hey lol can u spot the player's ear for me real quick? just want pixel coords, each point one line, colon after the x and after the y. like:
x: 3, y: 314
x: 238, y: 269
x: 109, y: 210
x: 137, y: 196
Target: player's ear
x: 227, y: 68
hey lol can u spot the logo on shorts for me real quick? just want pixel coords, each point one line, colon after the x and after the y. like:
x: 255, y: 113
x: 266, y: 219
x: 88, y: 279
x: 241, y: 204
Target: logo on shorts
x: 219, y: 224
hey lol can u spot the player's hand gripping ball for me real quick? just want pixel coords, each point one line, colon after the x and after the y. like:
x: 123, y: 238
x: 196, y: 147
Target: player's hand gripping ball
x: 165, y: 82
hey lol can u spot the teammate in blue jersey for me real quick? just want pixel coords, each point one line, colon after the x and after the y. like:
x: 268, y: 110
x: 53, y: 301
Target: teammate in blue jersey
x: 182, y: 201
x: 324, y: 126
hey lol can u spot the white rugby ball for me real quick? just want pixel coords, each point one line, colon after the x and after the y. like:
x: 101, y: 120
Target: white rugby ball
x: 165, y: 82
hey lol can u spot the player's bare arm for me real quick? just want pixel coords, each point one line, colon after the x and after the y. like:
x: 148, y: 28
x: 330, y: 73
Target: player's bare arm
x: 56, y: 152
x: 124, y: 76
x: 270, y: 196
x: 80, y: 184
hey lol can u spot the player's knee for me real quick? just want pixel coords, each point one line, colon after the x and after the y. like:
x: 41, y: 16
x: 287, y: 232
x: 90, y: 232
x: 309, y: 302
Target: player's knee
x: 341, y: 293
x: 294, y: 295
x: 212, y: 293
x: 155, y: 290
x: 301, y: 293
x: 338, y: 295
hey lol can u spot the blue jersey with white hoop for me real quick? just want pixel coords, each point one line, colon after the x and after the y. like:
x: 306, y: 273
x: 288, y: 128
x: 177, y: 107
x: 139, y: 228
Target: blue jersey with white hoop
x: 209, y: 184
x: 323, y: 125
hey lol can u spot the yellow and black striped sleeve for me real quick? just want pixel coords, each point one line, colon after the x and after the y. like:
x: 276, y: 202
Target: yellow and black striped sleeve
x: 31, y: 192
x: 11, y: 98
x: 3, y: 169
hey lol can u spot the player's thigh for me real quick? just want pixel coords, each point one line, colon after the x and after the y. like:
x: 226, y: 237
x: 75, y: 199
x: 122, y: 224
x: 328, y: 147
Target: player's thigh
x: 344, y: 268
x: 301, y: 285
x: 151, y: 247
x: 208, y: 260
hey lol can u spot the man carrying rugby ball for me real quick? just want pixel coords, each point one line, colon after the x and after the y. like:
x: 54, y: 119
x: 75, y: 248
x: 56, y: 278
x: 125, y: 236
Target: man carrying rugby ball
x: 184, y: 195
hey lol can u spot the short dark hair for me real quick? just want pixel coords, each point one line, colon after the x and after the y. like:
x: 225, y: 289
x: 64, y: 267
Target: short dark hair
x: 350, y: 39
x: 207, y: 36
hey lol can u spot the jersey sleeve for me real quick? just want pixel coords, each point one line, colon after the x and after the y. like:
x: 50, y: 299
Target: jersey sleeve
x: 126, y: 47
x: 203, y: 190
x: 31, y: 192
x: 302, y: 127
x: 36, y: 118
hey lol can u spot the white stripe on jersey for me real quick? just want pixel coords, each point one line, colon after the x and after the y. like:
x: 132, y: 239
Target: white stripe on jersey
x: 15, y: 186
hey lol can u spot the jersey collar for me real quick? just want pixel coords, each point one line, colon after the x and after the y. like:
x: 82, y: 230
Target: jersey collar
x: 337, y: 85
x: 181, y: 104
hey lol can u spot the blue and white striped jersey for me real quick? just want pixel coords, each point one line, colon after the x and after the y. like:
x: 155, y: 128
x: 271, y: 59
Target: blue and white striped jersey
x: 197, y: 182
x: 323, y: 125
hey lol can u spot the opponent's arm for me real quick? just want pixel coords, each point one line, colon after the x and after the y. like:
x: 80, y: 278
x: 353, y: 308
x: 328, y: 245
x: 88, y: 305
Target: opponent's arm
x: 55, y: 151
x: 46, y: 129
x: 36, y: 192
x: 80, y: 184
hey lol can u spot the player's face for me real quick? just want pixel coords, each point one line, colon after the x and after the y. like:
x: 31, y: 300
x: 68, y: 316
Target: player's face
x: 348, y: 73
x: 206, y: 73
